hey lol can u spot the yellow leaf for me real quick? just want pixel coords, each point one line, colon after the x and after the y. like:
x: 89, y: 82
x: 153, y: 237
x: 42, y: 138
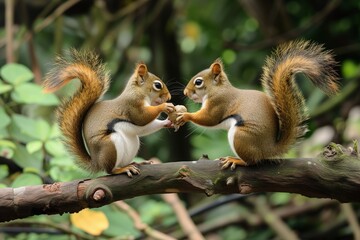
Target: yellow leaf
x: 90, y: 221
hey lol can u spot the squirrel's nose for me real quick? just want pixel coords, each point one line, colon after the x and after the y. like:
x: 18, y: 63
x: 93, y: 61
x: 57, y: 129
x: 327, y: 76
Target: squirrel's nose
x: 186, y: 92
x: 167, y: 97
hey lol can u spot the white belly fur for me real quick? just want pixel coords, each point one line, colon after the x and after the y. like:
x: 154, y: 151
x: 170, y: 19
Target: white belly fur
x: 231, y: 134
x: 126, y: 139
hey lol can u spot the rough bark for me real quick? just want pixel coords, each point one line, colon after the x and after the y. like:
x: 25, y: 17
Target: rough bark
x: 333, y: 174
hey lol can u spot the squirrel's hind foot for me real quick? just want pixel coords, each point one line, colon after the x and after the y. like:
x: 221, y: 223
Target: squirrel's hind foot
x: 130, y: 169
x: 231, y: 162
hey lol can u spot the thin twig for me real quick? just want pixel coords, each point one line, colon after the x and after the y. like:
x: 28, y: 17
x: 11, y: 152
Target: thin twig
x: 352, y: 219
x: 254, y: 220
x: 124, y: 11
x: 58, y: 12
x: 30, y: 34
x: 139, y: 224
x: 35, y: 66
x: 182, y: 215
x: 9, y: 24
x: 273, y: 220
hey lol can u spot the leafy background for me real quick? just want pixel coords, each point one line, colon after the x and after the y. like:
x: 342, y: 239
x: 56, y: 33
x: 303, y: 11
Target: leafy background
x: 176, y: 39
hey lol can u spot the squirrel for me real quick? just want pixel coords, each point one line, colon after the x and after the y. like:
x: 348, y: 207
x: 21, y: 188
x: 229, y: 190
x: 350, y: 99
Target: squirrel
x: 108, y: 129
x: 261, y: 125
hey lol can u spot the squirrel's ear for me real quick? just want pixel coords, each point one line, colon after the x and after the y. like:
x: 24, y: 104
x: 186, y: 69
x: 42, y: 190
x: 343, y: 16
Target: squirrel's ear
x: 141, y: 72
x: 217, y: 68
x: 141, y: 69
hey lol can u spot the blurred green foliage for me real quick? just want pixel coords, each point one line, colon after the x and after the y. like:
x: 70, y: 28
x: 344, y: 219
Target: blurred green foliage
x: 30, y: 140
x: 176, y: 39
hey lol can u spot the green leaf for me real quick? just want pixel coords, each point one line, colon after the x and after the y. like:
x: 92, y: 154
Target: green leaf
x: 55, y: 131
x: 63, y: 169
x: 55, y: 148
x: 5, y: 119
x: 280, y: 198
x: 34, y: 146
x: 4, y: 171
x: 350, y: 69
x: 56, y: 174
x: 17, y: 134
x: 5, y: 87
x: 30, y: 93
x: 233, y: 233
x: 26, y: 179
x: 31, y: 170
x: 15, y: 73
x: 66, y: 174
x: 7, y: 143
x: 42, y: 129
x: 4, y: 133
x: 26, y: 160
x: 7, y: 151
x: 152, y: 210
x: 120, y: 223
x: 63, y: 161
x: 37, y: 129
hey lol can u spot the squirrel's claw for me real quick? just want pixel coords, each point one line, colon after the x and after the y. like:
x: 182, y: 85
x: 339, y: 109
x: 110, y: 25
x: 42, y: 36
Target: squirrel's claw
x: 129, y: 170
x: 169, y: 108
x: 180, y: 120
x: 231, y: 162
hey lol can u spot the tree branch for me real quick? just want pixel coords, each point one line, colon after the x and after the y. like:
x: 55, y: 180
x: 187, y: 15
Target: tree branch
x: 334, y: 174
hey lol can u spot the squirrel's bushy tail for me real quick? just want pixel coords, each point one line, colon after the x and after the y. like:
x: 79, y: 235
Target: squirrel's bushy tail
x: 278, y: 80
x: 86, y: 67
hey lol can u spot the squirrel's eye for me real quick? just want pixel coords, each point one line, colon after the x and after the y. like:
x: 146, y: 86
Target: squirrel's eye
x: 157, y: 85
x: 199, y: 82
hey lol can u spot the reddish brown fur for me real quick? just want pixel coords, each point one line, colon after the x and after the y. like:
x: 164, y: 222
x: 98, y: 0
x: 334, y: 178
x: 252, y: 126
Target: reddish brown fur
x: 273, y: 121
x: 85, y: 111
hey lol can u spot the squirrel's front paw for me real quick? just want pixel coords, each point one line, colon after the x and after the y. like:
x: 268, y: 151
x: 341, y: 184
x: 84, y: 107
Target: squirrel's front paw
x: 169, y: 108
x: 182, y: 118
